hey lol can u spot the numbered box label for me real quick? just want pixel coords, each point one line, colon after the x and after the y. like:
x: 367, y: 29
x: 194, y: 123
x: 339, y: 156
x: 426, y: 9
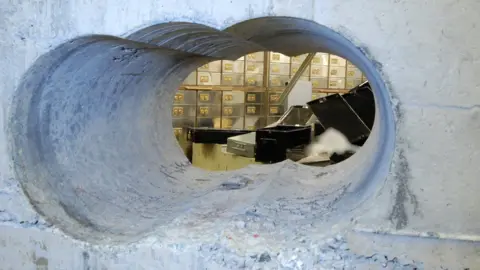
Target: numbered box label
x: 204, y: 79
x: 177, y: 111
x: 274, y: 97
x: 228, y: 67
x: 178, y: 97
x: 204, y: 97
x: 227, y: 111
x: 251, y: 110
x: 177, y: 131
x: 251, y: 97
x: 274, y: 110
x: 204, y: 111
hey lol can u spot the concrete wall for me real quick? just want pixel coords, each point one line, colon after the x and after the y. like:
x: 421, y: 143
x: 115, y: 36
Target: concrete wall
x: 428, y: 55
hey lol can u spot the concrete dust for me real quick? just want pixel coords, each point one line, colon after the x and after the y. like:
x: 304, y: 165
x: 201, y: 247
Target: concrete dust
x: 329, y: 142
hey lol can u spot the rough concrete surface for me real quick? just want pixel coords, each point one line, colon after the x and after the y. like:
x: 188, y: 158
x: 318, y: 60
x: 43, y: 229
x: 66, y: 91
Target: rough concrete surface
x: 86, y: 141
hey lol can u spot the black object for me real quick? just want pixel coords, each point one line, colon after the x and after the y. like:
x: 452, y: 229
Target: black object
x: 296, y: 115
x: 318, y: 129
x: 206, y: 123
x: 213, y: 136
x: 334, y: 112
x: 337, y: 158
x: 272, y: 143
x: 362, y: 101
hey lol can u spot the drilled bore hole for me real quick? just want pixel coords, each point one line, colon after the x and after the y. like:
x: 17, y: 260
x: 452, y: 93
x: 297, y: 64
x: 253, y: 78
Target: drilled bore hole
x: 92, y: 144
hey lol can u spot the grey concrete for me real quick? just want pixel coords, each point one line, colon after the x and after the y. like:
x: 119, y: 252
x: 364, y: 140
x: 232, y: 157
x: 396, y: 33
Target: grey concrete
x: 87, y: 134
x: 100, y: 104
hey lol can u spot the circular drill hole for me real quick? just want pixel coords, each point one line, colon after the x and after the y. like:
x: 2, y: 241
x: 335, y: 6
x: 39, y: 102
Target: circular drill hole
x: 91, y: 141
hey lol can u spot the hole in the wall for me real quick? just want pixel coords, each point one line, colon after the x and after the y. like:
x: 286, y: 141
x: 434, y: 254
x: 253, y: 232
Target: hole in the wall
x: 221, y: 104
x: 91, y: 135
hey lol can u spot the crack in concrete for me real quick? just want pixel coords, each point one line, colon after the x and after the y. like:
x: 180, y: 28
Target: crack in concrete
x: 442, y: 106
x: 402, y: 172
x: 398, y: 214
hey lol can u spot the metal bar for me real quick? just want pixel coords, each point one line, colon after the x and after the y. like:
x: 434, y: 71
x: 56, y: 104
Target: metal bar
x: 254, y: 88
x: 266, y: 69
x: 432, y: 235
x: 221, y: 87
x: 221, y: 108
x: 296, y: 77
x: 221, y: 95
x: 245, y: 84
x: 245, y: 81
x: 346, y: 76
x: 195, y: 124
x: 328, y: 70
x: 266, y: 84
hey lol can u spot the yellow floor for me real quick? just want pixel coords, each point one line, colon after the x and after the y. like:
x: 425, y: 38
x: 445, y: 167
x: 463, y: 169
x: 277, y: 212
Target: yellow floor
x: 214, y: 157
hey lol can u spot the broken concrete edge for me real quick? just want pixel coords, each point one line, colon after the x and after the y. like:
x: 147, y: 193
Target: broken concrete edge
x: 399, y: 172
x: 333, y: 252
x: 432, y: 249
x: 330, y: 252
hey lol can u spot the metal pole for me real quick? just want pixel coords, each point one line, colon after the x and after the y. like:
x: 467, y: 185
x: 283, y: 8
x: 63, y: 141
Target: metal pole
x: 296, y: 77
x: 292, y: 83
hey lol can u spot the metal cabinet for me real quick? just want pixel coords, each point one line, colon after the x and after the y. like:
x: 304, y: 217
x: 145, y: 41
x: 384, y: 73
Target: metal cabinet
x: 183, y: 111
x: 209, y: 109
x: 255, y: 104
x: 233, y: 109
